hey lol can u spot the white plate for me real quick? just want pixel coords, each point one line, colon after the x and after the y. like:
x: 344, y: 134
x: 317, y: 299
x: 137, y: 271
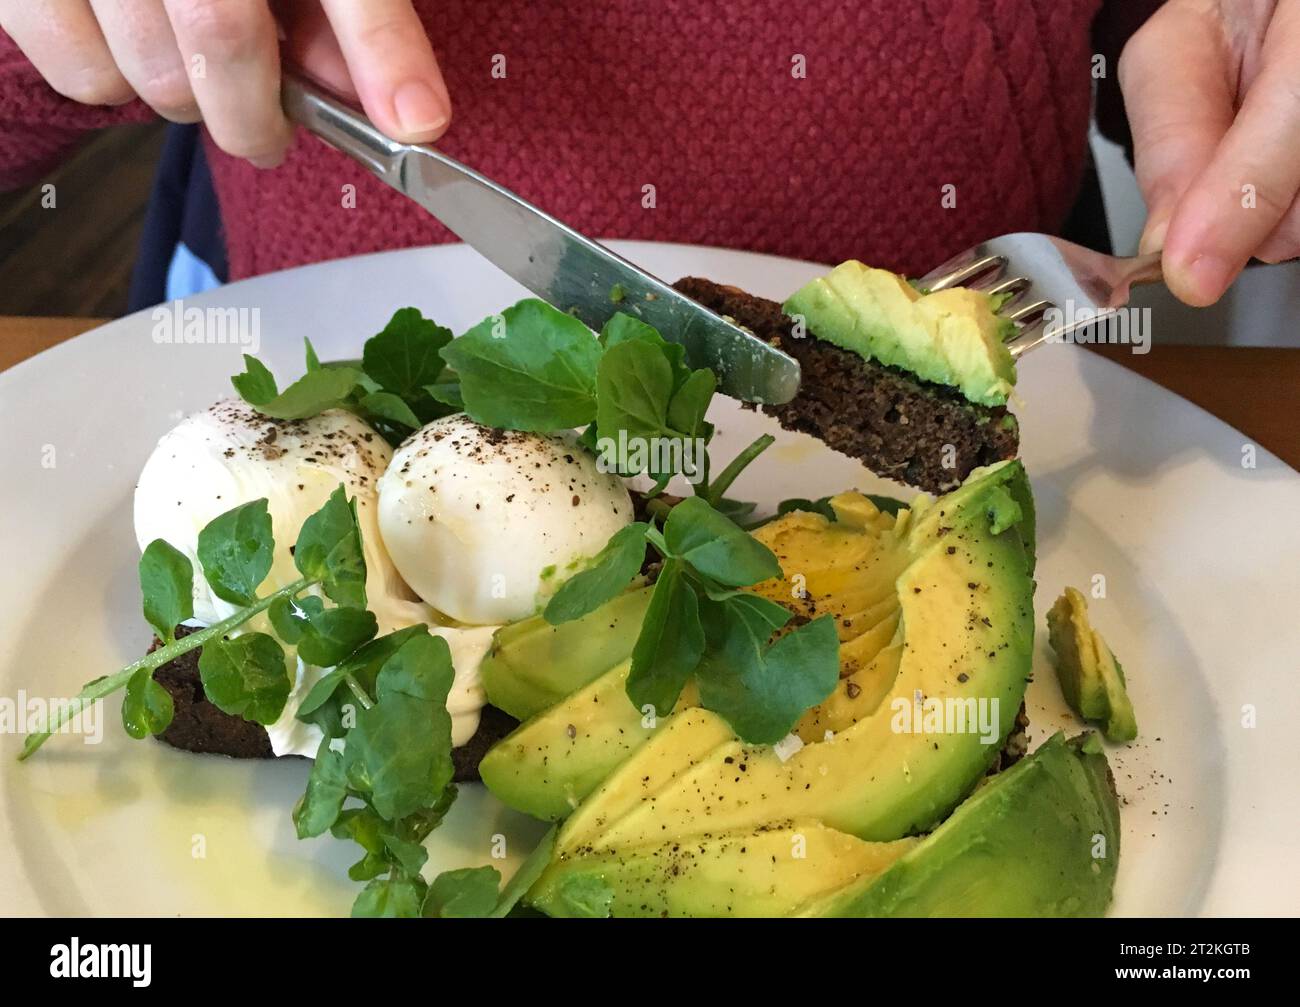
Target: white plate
x: 1199, y: 556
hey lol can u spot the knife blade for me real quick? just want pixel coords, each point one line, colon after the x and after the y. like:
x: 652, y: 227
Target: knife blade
x: 551, y: 259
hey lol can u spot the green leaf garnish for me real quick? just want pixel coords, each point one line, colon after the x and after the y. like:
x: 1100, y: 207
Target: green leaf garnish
x: 246, y: 676
x: 822, y: 506
x: 321, y: 704
x: 404, y: 357
x: 243, y: 675
x: 146, y: 707
x: 400, y: 749
x: 289, y: 617
x: 887, y: 504
x: 329, y: 551
x: 762, y: 690
x: 467, y: 893
x: 390, y: 407
x: 623, y: 327
x: 448, y: 393
x: 313, y: 393
x: 394, y: 897
x: 106, y: 685
x: 364, y: 827
x: 236, y: 550
x: 319, y: 807
x: 736, y: 510
x: 166, y: 587
x: 530, y: 368
x: 388, y: 387
x: 609, y: 573
x: 634, y: 383
x: 690, y: 402
x: 585, y: 896
x: 256, y: 385
x: 329, y: 635
x: 670, y: 644
x: 408, y: 855
x: 716, y: 547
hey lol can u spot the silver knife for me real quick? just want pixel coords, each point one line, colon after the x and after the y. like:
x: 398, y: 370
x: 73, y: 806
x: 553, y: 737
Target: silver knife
x: 548, y: 257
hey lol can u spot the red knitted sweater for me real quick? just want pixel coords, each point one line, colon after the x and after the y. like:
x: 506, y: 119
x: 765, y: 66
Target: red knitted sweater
x: 823, y: 129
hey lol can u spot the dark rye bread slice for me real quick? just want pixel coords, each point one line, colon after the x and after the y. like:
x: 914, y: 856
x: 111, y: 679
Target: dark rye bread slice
x: 897, y: 425
x: 198, y: 726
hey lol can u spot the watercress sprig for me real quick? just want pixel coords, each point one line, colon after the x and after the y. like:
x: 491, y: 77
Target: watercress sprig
x: 397, y: 386
x: 244, y: 675
x: 382, y: 775
x: 699, y: 624
x: 535, y: 368
x: 472, y: 892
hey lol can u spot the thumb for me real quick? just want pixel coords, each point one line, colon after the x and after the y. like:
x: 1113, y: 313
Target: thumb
x: 1176, y: 76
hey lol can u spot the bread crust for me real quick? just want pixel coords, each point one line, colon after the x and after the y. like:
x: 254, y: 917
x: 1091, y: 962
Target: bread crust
x: 902, y: 428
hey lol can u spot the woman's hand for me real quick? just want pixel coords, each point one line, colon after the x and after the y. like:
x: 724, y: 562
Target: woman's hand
x: 1212, y: 89
x: 219, y: 61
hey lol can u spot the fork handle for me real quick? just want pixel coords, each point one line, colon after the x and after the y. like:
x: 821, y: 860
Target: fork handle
x: 1134, y: 270
x: 1121, y: 273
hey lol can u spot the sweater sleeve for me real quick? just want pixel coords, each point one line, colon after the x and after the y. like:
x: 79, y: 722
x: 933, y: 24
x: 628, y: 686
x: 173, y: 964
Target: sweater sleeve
x: 38, y: 126
x: 1116, y: 23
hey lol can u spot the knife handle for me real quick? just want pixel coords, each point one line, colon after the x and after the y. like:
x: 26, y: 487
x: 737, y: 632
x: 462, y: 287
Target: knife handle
x: 342, y: 127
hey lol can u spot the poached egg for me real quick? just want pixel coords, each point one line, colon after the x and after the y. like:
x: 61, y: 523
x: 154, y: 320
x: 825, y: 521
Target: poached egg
x: 229, y: 454
x: 485, y: 524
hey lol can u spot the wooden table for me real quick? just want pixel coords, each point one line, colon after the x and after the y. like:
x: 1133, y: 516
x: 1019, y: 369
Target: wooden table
x: 1256, y: 390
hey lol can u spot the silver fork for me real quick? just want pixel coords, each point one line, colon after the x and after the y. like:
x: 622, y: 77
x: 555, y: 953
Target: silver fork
x: 1054, y: 288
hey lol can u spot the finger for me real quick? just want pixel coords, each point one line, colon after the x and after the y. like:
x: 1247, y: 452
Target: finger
x: 142, y: 42
x: 1179, y: 100
x: 1248, y: 187
x: 1284, y: 242
x: 63, y: 41
x: 392, y: 66
x: 310, y: 43
x: 231, y: 52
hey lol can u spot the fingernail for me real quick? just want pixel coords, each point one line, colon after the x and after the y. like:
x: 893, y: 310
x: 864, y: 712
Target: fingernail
x: 1208, y: 277
x: 1153, y: 235
x: 419, y: 109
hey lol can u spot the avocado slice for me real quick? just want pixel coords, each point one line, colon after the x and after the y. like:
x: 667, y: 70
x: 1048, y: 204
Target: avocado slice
x: 1041, y: 839
x: 1090, y: 676
x: 562, y: 753
x: 547, y: 765
x: 964, y: 598
x: 768, y: 870
x: 951, y: 337
x: 532, y: 665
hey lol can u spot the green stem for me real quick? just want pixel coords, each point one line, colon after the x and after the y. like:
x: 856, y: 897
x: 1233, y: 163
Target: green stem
x: 357, y: 691
x: 658, y: 508
x: 656, y: 538
x: 108, y: 684
x: 701, y: 488
x: 718, y: 489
